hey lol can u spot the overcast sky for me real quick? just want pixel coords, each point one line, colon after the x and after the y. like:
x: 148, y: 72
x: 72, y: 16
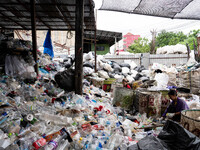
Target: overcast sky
x: 140, y: 24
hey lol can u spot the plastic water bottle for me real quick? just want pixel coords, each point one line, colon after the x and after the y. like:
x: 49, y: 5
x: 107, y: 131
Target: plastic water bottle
x: 53, y: 143
x: 63, y: 145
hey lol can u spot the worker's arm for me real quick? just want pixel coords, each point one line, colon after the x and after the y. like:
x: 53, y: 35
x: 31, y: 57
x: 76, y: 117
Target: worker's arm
x: 166, y: 111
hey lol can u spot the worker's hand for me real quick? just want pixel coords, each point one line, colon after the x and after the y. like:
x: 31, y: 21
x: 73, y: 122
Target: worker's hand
x: 170, y: 115
x: 161, y: 119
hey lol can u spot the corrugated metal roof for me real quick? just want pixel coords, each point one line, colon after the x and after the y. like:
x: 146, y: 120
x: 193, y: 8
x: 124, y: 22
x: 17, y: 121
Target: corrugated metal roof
x: 103, y: 36
x: 50, y: 14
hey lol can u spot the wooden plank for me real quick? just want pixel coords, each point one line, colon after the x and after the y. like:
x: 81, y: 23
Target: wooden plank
x: 79, y: 46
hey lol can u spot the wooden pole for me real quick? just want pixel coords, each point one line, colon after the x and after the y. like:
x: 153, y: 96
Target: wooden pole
x: 95, y: 43
x: 115, y: 46
x: 153, y: 45
x: 95, y: 49
x: 34, y: 35
x: 79, y: 46
x: 188, y: 50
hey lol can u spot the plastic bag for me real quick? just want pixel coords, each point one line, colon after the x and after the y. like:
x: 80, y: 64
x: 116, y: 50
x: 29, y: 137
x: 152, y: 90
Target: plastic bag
x: 177, y: 137
x: 87, y: 71
x: 68, y: 62
x: 162, y: 80
x: 133, y: 65
x: 130, y: 79
x: 103, y: 74
x: 88, y: 64
x: 8, y: 65
x: 14, y: 66
x: 125, y: 65
x: 66, y: 80
x: 108, y: 67
x: 116, y: 67
x: 125, y: 70
x: 88, y: 56
x: 149, y: 143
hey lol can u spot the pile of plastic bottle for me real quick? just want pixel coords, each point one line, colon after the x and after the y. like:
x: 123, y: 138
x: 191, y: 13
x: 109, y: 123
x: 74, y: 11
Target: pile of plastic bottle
x: 41, y: 116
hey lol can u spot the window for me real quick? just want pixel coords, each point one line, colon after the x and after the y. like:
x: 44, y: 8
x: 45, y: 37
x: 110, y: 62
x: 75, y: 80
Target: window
x: 100, y: 48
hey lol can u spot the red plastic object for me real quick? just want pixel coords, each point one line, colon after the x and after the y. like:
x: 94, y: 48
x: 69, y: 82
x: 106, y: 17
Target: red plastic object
x: 39, y: 143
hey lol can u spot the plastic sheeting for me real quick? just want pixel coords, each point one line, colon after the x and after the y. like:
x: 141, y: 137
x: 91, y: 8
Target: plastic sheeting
x: 178, y: 9
x: 173, y: 136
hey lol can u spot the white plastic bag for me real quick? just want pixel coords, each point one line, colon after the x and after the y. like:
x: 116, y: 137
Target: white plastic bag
x: 162, y: 80
x: 129, y: 78
x: 103, y: 74
x: 133, y: 65
x: 87, y: 71
x: 108, y: 67
x: 125, y: 70
x: 88, y: 56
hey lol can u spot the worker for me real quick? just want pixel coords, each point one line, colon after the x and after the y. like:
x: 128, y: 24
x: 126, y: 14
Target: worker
x: 177, y: 105
x: 125, y: 83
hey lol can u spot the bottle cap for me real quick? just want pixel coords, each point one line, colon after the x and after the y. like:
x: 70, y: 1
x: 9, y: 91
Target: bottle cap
x: 29, y: 117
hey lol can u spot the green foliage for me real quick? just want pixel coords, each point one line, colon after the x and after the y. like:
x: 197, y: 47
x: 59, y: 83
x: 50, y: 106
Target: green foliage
x: 140, y: 46
x: 190, y: 41
x: 194, y: 33
x: 169, y: 38
x: 192, y: 38
x: 127, y: 102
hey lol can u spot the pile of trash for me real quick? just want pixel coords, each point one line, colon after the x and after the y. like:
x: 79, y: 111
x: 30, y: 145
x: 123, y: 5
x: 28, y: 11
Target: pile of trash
x: 172, y: 49
x: 110, y: 69
x: 42, y: 116
x: 43, y: 112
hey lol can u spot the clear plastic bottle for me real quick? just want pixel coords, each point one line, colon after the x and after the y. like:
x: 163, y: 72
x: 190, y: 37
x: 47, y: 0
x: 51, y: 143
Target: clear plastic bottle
x: 53, y: 144
x: 64, y: 144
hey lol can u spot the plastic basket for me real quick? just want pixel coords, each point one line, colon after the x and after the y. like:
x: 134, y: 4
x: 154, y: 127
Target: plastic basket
x: 190, y: 122
x: 109, y: 81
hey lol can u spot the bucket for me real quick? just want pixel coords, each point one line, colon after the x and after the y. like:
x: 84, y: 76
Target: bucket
x: 190, y: 121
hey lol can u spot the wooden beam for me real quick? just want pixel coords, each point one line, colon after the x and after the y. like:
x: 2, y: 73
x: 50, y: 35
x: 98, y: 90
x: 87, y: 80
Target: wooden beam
x: 7, y: 17
x: 34, y: 34
x: 63, y: 15
x: 45, y: 21
x: 39, y: 4
x: 53, y: 29
x: 45, y: 17
x: 36, y: 14
x: 79, y: 46
x: 65, y: 11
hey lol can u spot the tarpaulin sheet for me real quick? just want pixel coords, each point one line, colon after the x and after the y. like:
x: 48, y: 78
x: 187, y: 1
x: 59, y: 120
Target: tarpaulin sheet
x: 178, y: 9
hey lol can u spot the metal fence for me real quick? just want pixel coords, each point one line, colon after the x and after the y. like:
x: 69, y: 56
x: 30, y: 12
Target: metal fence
x: 147, y: 59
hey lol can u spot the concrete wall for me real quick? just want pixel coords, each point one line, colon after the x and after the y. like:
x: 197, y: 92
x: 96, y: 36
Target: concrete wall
x: 146, y: 59
x: 57, y: 36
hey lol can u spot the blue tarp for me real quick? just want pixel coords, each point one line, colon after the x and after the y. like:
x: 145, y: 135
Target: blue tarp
x: 48, y: 48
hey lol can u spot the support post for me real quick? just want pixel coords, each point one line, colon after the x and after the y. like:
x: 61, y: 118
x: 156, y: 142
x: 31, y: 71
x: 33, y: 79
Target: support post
x: 79, y: 46
x: 95, y: 41
x: 188, y: 50
x: 34, y: 36
x: 95, y: 49
x: 115, y: 46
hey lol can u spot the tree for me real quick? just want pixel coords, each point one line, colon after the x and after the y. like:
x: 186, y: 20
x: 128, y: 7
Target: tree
x: 192, y: 38
x: 169, y: 38
x: 140, y: 46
